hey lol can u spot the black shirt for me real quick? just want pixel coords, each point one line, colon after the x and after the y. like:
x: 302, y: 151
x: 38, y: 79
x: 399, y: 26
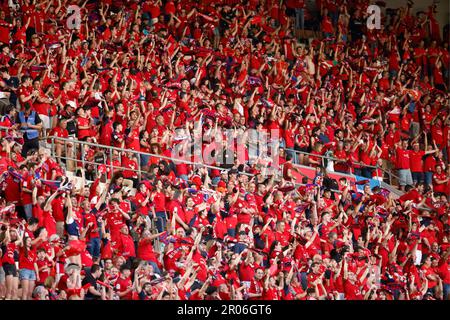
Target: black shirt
x: 93, y: 282
x: 71, y: 126
x: 143, y: 295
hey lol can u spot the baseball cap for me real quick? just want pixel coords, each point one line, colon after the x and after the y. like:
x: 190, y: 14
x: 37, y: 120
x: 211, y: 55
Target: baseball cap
x: 71, y: 103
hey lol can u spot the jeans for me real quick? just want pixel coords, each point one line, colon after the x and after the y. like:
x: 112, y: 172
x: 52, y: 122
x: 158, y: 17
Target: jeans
x: 231, y: 232
x: 405, y: 177
x: 428, y: 177
x: 300, y: 18
x: 184, y: 177
x: 28, y: 209
x: 161, y: 221
x: 2, y: 275
x: 293, y: 154
x: 27, y: 274
x: 396, y: 293
x: 417, y: 177
x: 93, y: 247
x: 304, y: 280
x: 446, y: 290
x: 144, y: 159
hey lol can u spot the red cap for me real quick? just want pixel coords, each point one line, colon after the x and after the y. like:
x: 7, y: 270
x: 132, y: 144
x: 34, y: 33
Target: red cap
x: 148, y: 185
x: 221, y: 184
x: 197, y: 180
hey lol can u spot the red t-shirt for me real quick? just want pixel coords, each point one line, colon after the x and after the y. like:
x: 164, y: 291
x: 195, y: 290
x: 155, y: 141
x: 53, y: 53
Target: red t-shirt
x: 271, y: 294
x: 282, y: 237
x: 415, y: 160
x: 43, y: 274
x: 402, y: 160
x: 114, y: 219
x: 26, y: 196
x: 246, y: 272
x: 83, y: 122
x: 126, y: 246
x: 169, y: 8
x: 57, y: 209
x: 12, y: 192
x: 341, y: 155
x: 122, y: 285
x: 49, y: 222
x: 352, y: 291
x: 139, y: 199
x: 444, y: 272
x: 256, y: 287
x: 392, y: 138
x: 439, y: 187
x: 132, y: 164
x: 429, y: 271
x: 93, y: 230
x: 145, y: 250
x: 159, y: 202
x: 438, y: 135
x: 59, y: 132
x: 429, y: 163
x: 8, y: 255
x: 27, y: 261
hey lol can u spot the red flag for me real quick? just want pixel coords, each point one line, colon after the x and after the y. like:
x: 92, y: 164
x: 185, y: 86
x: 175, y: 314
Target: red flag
x: 415, y: 94
x: 256, y: 20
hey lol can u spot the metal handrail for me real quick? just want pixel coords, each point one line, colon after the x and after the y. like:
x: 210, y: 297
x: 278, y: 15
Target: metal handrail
x: 323, y: 157
x: 98, y: 145
x: 138, y: 153
x: 123, y: 150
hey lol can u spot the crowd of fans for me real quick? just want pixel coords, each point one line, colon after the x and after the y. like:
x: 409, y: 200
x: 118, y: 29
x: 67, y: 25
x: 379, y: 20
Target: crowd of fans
x: 134, y: 74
